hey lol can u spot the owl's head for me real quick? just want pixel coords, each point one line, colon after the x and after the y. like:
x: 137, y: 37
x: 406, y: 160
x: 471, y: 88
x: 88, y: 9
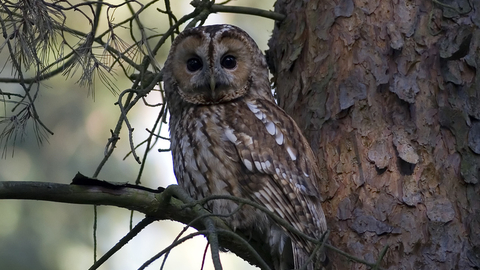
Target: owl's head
x: 213, y: 64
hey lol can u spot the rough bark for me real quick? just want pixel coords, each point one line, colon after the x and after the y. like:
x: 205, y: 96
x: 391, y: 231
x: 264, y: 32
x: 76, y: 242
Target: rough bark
x: 388, y: 94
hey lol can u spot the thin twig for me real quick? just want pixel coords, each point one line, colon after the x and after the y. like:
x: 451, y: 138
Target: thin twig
x: 245, y: 10
x: 452, y: 7
x: 129, y: 236
x: 127, y: 122
x: 380, y: 258
x: 351, y: 257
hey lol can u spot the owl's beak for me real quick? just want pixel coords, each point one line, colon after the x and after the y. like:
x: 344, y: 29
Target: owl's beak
x: 212, y: 84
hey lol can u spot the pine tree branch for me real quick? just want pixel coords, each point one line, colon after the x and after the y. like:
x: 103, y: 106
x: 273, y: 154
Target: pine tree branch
x: 162, y: 204
x: 243, y: 10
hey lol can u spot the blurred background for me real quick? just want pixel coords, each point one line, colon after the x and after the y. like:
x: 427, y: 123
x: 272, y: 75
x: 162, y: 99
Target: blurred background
x: 49, y: 236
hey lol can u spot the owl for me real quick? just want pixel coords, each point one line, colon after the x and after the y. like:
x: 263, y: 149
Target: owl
x: 229, y: 137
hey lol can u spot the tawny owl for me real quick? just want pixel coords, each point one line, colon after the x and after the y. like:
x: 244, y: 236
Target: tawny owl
x: 229, y: 137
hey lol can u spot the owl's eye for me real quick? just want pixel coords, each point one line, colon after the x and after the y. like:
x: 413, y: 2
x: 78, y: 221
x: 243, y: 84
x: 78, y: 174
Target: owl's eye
x: 194, y: 64
x: 229, y: 62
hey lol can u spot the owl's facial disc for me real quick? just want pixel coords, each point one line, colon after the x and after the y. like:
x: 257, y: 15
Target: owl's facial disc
x: 212, y: 82
x: 213, y: 67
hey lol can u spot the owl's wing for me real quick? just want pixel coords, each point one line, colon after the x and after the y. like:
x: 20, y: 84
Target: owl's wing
x: 280, y: 166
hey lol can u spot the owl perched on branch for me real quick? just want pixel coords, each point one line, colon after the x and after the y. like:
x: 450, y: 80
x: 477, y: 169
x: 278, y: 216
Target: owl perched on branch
x: 229, y: 137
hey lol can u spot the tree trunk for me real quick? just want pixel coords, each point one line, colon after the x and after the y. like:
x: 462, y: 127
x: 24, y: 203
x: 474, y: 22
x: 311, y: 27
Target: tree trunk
x: 388, y: 94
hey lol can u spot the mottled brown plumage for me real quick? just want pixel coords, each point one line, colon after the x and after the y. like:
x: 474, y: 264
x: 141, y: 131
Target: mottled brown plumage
x: 229, y: 137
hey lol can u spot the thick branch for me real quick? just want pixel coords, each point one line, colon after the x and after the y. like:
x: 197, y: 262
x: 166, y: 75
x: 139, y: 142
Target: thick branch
x: 133, y: 199
x: 168, y: 204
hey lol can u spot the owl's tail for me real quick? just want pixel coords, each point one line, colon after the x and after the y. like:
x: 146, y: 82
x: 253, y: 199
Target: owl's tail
x: 281, y: 248
x: 301, y: 258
